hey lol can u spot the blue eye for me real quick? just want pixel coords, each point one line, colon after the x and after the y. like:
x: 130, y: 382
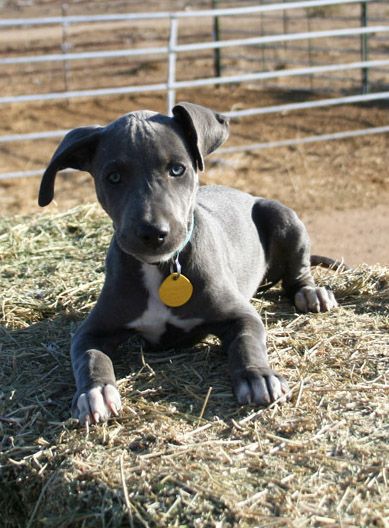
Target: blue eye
x: 176, y: 170
x: 114, y: 177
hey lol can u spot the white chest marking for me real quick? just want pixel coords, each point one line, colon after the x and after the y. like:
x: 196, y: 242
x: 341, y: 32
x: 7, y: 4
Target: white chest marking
x: 152, y: 323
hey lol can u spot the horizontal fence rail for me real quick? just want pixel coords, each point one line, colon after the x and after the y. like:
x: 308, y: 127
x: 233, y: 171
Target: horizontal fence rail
x: 176, y: 85
x: 164, y: 50
x: 232, y: 11
x: 305, y: 140
x: 172, y: 49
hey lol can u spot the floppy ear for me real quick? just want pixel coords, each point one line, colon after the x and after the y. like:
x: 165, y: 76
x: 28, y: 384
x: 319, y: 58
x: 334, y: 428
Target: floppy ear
x: 206, y: 130
x: 74, y: 152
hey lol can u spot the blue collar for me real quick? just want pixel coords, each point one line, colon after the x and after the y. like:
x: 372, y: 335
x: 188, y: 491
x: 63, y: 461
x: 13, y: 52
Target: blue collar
x: 175, y: 265
x: 187, y: 238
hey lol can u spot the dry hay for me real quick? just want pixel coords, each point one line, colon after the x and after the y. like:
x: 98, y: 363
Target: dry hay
x: 181, y: 453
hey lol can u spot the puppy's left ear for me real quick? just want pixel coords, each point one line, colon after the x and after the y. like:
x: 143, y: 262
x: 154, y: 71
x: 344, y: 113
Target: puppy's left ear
x: 75, y: 152
x: 205, y: 130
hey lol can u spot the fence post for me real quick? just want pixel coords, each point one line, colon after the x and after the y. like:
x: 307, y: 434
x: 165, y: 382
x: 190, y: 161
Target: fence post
x: 216, y: 37
x: 65, y: 46
x: 364, y: 47
x: 172, y: 56
x: 285, y: 26
x: 263, y: 46
x: 309, y: 44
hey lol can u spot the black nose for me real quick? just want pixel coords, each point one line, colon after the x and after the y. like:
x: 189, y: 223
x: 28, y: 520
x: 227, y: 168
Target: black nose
x: 151, y: 235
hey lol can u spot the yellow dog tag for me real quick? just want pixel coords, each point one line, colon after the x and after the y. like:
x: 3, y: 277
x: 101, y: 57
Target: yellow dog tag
x: 175, y: 290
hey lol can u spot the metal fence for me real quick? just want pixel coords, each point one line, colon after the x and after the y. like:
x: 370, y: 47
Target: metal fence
x: 258, y: 63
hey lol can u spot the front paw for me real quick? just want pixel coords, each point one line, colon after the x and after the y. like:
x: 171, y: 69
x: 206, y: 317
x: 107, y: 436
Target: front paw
x: 259, y: 386
x: 97, y: 404
x: 314, y: 299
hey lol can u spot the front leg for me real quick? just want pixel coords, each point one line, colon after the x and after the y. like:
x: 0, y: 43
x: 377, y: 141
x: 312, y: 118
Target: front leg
x: 97, y: 397
x: 253, y: 381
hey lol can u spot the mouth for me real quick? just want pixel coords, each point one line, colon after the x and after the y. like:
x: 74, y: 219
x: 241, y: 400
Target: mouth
x: 153, y: 259
x: 147, y: 255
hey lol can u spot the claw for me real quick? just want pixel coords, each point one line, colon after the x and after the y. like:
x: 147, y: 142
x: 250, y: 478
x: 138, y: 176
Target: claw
x: 114, y: 411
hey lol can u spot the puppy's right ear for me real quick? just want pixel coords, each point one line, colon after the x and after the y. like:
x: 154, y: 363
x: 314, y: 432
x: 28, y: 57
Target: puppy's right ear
x: 74, y: 152
x: 205, y: 129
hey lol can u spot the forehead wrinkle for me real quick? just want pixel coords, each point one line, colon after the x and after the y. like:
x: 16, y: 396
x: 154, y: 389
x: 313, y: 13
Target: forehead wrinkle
x: 144, y: 140
x: 155, y: 133
x: 140, y: 129
x: 137, y: 129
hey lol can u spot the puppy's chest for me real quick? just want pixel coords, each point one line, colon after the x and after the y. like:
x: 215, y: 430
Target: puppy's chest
x: 152, y: 324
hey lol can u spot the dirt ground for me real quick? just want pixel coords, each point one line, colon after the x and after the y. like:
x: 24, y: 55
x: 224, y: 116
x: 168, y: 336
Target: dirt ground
x: 339, y: 188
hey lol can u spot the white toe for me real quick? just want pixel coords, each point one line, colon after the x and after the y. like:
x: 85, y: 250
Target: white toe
x: 112, y: 398
x: 97, y: 405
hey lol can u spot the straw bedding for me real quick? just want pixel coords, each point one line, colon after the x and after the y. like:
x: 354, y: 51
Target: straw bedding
x: 182, y: 453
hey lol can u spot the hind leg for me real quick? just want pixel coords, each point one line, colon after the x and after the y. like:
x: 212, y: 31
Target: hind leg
x: 298, y: 281
x: 287, y: 247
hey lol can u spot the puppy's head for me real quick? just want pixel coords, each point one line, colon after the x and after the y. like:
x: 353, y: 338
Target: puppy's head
x: 144, y: 167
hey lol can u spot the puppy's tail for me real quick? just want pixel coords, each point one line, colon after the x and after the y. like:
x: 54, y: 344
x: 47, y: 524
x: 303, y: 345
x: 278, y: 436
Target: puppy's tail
x: 329, y: 263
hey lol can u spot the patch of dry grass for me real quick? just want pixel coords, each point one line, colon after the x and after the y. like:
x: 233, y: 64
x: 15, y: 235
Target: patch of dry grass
x: 318, y: 461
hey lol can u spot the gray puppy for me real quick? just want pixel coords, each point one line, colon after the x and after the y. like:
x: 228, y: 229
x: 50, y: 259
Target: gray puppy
x: 184, y: 260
